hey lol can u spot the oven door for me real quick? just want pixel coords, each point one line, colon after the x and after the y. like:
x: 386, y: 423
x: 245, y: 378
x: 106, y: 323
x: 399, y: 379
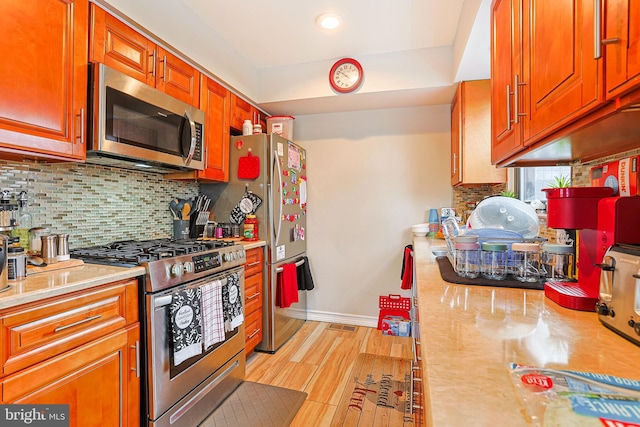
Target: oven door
x: 184, y: 395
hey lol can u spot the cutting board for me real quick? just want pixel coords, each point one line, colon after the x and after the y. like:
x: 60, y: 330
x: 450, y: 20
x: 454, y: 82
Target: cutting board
x: 32, y: 269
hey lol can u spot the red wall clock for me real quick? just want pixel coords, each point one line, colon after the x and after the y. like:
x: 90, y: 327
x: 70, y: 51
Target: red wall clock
x: 346, y: 75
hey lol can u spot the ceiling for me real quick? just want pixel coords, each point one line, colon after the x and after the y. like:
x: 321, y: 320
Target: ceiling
x: 412, y: 51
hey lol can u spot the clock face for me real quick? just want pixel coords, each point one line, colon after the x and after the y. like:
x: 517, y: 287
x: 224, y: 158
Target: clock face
x: 346, y: 75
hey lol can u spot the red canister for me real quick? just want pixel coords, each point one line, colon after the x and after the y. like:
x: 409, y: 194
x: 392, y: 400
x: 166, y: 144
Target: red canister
x: 251, y: 228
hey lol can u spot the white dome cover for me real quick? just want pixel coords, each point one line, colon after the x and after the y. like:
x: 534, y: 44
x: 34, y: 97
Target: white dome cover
x: 505, y: 213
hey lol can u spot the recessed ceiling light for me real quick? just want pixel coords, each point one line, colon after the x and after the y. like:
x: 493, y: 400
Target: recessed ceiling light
x: 328, y: 21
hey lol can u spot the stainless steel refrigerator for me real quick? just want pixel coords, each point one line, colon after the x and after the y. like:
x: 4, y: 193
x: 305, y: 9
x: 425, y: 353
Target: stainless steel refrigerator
x: 273, y: 169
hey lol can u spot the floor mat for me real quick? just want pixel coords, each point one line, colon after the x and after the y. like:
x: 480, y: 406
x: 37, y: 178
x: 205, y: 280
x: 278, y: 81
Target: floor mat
x: 379, y: 393
x: 254, y: 404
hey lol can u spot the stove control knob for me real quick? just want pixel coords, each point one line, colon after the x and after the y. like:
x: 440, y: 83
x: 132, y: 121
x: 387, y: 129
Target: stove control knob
x: 227, y: 256
x: 241, y: 252
x: 177, y: 269
x: 236, y: 255
x: 189, y: 267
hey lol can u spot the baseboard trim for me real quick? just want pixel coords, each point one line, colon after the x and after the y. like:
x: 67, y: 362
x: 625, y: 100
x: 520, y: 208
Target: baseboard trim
x: 349, y: 319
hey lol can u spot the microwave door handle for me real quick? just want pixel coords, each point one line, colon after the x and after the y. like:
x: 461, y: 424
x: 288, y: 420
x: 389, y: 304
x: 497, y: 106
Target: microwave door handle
x: 192, y: 146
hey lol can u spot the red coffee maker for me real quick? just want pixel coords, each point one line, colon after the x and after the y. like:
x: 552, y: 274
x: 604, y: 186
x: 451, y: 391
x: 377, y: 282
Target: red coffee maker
x: 602, y: 220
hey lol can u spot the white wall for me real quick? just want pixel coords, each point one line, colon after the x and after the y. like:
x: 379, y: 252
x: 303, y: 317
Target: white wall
x: 372, y: 175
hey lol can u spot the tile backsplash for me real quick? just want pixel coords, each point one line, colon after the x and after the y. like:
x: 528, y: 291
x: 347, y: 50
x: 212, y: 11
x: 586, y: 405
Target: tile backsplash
x: 96, y: 204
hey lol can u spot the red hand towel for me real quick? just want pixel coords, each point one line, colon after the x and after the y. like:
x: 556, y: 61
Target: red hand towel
x: 407, y: 269
x: 287, y: 286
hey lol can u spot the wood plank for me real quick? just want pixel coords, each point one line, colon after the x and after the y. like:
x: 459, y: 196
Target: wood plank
x: 295, y: 376
x: 314, y: 414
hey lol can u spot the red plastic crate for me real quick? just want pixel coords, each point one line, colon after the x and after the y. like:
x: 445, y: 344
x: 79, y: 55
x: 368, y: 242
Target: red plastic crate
x: 393, y: 305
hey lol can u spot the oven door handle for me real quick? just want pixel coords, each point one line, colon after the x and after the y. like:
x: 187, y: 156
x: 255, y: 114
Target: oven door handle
x: 166, y: 299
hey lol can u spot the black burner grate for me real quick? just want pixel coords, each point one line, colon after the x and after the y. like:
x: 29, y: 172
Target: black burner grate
x: 133, y: 252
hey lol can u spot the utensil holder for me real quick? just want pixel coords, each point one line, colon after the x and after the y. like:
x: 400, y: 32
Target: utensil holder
x: 181, y: 229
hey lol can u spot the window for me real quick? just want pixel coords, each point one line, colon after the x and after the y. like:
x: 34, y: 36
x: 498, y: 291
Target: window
x: 531, y: 181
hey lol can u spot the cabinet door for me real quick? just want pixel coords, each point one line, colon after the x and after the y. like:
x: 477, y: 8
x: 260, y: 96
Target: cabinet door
x: 456, y: 176
x: 241, y: 110
x: 92, y: 379
x: 621, y: 46
x: 216, y: 102
x: 43, y: 77
x: 506, y: 46
x: 474, y: 135
x: 177, y: 78
x: 561, y: 72
x: 118, y: 46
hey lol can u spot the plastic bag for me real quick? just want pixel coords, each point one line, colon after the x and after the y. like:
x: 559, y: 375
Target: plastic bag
x: 559, y: 398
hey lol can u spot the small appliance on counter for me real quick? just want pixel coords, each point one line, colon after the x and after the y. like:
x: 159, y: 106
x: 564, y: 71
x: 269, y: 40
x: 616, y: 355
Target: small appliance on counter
x: 603, y: 221
x: 619, y: 300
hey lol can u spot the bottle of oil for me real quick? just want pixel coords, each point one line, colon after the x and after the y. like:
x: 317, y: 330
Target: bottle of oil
x: 24, y: 221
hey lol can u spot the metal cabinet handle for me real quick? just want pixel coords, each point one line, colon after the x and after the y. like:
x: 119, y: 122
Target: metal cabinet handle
x: 516, y: 90
x: 508, y: 108
x: 613, y: 40
x: 254, y: 333
x: 79, y: 322
x: 81, y: 134
x: 252, y: 264
x: 153, y: 64
x: 256, y: 295
x: 164, y: 68
x: 137, y: 367
x: 597, y: 30
x: 455, y: 163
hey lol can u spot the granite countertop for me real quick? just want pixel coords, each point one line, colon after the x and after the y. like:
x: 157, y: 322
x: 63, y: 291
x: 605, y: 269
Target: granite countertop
x: 470, y: 334
x: 58, y: 282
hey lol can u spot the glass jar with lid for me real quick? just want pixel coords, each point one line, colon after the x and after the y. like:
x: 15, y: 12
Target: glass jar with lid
x: 558, y: 262
x: 525, y: 261
x: 467, y: 258
x: 494, y: 260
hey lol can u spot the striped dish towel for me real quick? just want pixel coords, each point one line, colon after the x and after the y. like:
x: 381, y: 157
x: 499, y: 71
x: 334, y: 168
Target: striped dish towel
x: 212, y: 315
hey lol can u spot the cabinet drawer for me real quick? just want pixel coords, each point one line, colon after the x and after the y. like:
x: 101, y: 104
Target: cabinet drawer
x: 254, y: 262
x: 38, y: 331
x: 253, y: 330
x: 252, y: 293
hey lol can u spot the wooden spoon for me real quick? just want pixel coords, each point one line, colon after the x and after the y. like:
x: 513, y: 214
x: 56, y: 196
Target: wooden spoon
x: 186, y: 210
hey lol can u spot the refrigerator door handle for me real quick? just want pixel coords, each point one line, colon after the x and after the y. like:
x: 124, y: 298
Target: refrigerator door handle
x: 279, y: 190
x: 298, y: 264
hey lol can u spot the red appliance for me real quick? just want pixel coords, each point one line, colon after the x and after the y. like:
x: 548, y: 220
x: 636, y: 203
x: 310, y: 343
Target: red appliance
x: 603, y: 221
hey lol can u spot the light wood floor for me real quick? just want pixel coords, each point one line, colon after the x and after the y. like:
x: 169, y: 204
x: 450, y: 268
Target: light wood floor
x: 318, y: 360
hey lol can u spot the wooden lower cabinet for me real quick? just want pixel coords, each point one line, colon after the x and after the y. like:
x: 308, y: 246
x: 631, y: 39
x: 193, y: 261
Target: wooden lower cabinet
x: 253, y: 299
x: 99, y: 378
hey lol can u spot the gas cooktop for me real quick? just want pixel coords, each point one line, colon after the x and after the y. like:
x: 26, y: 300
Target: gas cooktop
x: 135, y: 252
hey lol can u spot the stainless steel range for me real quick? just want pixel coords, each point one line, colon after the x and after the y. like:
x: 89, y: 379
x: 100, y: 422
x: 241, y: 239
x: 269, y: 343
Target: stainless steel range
x: 185, y: 392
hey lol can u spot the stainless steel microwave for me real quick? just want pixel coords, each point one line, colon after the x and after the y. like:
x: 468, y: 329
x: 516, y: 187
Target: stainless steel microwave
x: 134, y: 125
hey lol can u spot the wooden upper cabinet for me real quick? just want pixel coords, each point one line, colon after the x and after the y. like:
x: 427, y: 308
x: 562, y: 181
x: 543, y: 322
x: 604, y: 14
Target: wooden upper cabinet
x: 215, y: 100
x: 119, y: 46
x: 241, y: 110
x: 544, y: 70
x: 471, y: 136
x: 177, y: 78
x: 43, y: 78
x: 506, y: 69
x: 562, y: 78
x: 621, y: 46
